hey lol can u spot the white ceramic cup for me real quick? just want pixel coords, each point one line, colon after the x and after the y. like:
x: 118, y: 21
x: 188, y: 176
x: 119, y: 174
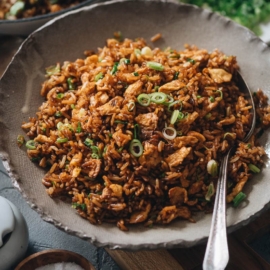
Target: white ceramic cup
x: 13, y: 235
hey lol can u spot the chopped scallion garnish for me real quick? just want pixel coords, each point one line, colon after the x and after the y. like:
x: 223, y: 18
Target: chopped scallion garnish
x: 58, y: 114
x: 212, y: 99
x: 155, y: 65
x: 115, y: 68
x: 175, y: 76
x: 212, y: 167
x: 136, y: 148
x: 210, y: 192
x: 60, y: 95
x: 70, y: 83
x: 51, y: 70
x: 144, y: 99
x: 253, y: 168
x: 20, y: 140
x: 131, y: 106
x: 136, y: 131
x: 17, y: 8
x: 221, y: 93
x: 88, y: 142
x: 79, y: 128
x: 192, y: 61
x: 169, y: 133
x: 99, y: 76
x: 239, y: 198
x: 174, y: 116
x: 62, y: 140
x: 158, y: 97
x: 136, y: 74
x: 120, y: 122
x: 31, y: 144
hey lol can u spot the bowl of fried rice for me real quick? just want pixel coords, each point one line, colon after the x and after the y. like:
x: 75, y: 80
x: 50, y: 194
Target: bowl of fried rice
x: 115, y: 119
x: 23, y: 17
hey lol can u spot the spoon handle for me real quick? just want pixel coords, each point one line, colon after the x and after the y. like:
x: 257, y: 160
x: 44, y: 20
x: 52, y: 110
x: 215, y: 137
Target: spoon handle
x: 217, y: 254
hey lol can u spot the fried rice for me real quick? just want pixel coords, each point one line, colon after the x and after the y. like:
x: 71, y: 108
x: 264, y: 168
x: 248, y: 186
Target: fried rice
x: 14, y: 9
x: 132, y: 134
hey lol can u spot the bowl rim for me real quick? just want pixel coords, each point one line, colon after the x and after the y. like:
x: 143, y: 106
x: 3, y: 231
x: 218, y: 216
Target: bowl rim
x: 47, y: 252
x: 48, y: 15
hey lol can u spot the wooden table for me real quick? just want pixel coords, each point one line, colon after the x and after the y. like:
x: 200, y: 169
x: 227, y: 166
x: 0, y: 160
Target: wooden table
x: 242, y: 256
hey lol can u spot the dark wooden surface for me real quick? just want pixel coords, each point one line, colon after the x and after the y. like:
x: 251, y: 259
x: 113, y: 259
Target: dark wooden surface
x: 242, y: 256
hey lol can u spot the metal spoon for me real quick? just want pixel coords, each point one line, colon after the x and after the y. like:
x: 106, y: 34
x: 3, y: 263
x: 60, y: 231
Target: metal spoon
x: 217, y: 255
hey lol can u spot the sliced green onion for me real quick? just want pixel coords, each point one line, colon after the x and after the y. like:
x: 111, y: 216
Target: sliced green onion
x: 115, y: 67
x: 94, y: 149
x: 210, y: 192
x: 221, y: 93
x: 72, y: 106
x: 144, y: 99
x: 212, y: 167
x: 118, y: 36
x: 208, y: 116
x: 95, y: 156
x: 127, y: 61
x: 70, y: 83
x: 59, y: 125
x: 62, y: 140
x: 79, y: 128
x: 192, y: 61
x: 228, y: 111
x: 198, y: 97
x: 155, y: 65
x: 136, y: 74
x: 158, y: 97
x: 31, y: 144
x: 180, y: 116
x: 79, y: 205
x: 136, y: 131
x: 88, y: 142
x: 175, y: 56
x: 175, y: 76
x: 17, y: 8
x: 104, y: 150
x: 131, y: 106
x: 169, y: 133
x: 60, y: 95
x: 98, y: 77
x: 51, y: 70
x: 136, y: 148
x: 248, y: 145
x: 137, y: 52
x: 253, y: 168
x: 174, y: 103
x: 232, y: 135
x: 120, y: 122
x: 169, y: 100
x: 20, y: 140
x: 174, y: 116
x: 239, y: 198
x: 58, y: 114
x: 212, y: 99
x: 156, y: 88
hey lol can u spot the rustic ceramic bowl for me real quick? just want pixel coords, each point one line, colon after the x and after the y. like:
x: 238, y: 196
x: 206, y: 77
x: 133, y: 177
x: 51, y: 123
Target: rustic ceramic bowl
x: 53, y: 256
x: 65, y: 38
x: 23, y: 27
